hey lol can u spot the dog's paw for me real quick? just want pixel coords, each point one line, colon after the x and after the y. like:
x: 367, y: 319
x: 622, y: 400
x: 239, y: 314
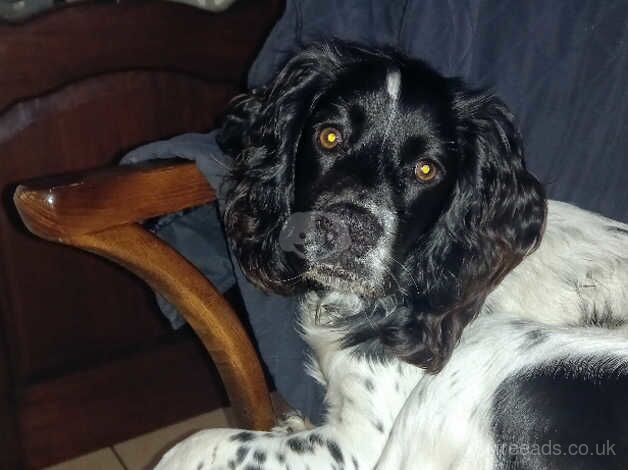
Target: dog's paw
x: 290, y: 422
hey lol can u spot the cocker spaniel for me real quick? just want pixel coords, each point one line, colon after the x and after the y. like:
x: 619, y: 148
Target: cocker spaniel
x: 396, y: 202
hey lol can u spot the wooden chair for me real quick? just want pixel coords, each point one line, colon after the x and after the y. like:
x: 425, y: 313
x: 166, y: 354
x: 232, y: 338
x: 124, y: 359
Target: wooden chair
x: 101, y: 211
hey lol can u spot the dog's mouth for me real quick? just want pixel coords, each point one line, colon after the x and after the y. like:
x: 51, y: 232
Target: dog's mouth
x: 340, y: 279
x: 333, y: 272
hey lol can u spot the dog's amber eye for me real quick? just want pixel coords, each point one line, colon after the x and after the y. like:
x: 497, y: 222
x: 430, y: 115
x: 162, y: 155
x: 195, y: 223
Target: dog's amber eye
x: 329, y: 138
x: 425, y: 171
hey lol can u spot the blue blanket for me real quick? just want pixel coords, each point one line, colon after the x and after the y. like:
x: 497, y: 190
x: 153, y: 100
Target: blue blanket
x: 561, y: 66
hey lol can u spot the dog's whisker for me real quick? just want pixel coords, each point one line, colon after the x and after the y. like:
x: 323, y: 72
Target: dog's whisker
x: 298, y: 277
x: 394, y: 278
x: 220, y: 163
x: 406, y: 269
x: 368, y: 319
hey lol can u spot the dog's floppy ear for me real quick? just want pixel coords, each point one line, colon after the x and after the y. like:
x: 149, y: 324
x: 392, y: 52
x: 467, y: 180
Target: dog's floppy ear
x: 261, y: 131
x: 495, y: 217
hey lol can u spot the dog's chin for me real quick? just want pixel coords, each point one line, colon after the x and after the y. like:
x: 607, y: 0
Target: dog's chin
x: 339, y: 279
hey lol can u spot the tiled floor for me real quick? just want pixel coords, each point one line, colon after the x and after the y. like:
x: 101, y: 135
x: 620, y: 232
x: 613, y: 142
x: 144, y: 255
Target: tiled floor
x: 142, y: 453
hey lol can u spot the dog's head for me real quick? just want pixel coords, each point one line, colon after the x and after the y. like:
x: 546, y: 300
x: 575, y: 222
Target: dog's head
x: 368, y: 173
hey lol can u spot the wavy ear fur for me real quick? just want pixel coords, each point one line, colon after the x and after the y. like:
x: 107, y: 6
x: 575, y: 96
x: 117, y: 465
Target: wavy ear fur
x: 495, y: 218
x: 262, y: 132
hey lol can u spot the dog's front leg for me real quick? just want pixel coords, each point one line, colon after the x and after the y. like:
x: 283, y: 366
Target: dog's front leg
x: 362, y: 404
x: 229, y: 449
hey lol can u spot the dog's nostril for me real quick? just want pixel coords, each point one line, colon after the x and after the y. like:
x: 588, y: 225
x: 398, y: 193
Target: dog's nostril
x: 326, y: 229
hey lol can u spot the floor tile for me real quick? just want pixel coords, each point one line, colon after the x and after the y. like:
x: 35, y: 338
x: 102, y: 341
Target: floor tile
x: 103, y: 459
x: 143, y: 452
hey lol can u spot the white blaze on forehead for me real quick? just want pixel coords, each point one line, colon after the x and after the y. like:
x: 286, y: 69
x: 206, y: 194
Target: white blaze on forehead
x: 393, y: 83
x: 393, y: 88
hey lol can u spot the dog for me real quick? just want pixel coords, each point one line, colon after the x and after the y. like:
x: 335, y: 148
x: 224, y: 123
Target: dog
x: 456, y: 318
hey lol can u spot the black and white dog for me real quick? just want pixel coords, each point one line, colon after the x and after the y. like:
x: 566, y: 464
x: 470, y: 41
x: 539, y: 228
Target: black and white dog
x: 397, y: 203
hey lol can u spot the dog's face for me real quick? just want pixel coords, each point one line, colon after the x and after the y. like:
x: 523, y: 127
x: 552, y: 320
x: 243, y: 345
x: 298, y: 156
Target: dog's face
x: 365, y: 173
x: 374, y: 170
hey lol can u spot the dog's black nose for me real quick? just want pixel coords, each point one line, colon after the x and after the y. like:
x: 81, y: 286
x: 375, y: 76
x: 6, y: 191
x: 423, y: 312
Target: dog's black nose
x: 338, y: 231
x: 345, y: 229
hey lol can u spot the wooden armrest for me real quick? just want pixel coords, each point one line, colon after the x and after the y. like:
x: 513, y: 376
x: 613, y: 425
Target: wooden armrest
x: 65, y: 206
x: 97, y: 211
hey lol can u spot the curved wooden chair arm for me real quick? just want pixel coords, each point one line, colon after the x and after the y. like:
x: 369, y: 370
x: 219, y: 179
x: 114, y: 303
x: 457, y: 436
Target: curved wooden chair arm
x: 66, y: 206
x: 99, y: 212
